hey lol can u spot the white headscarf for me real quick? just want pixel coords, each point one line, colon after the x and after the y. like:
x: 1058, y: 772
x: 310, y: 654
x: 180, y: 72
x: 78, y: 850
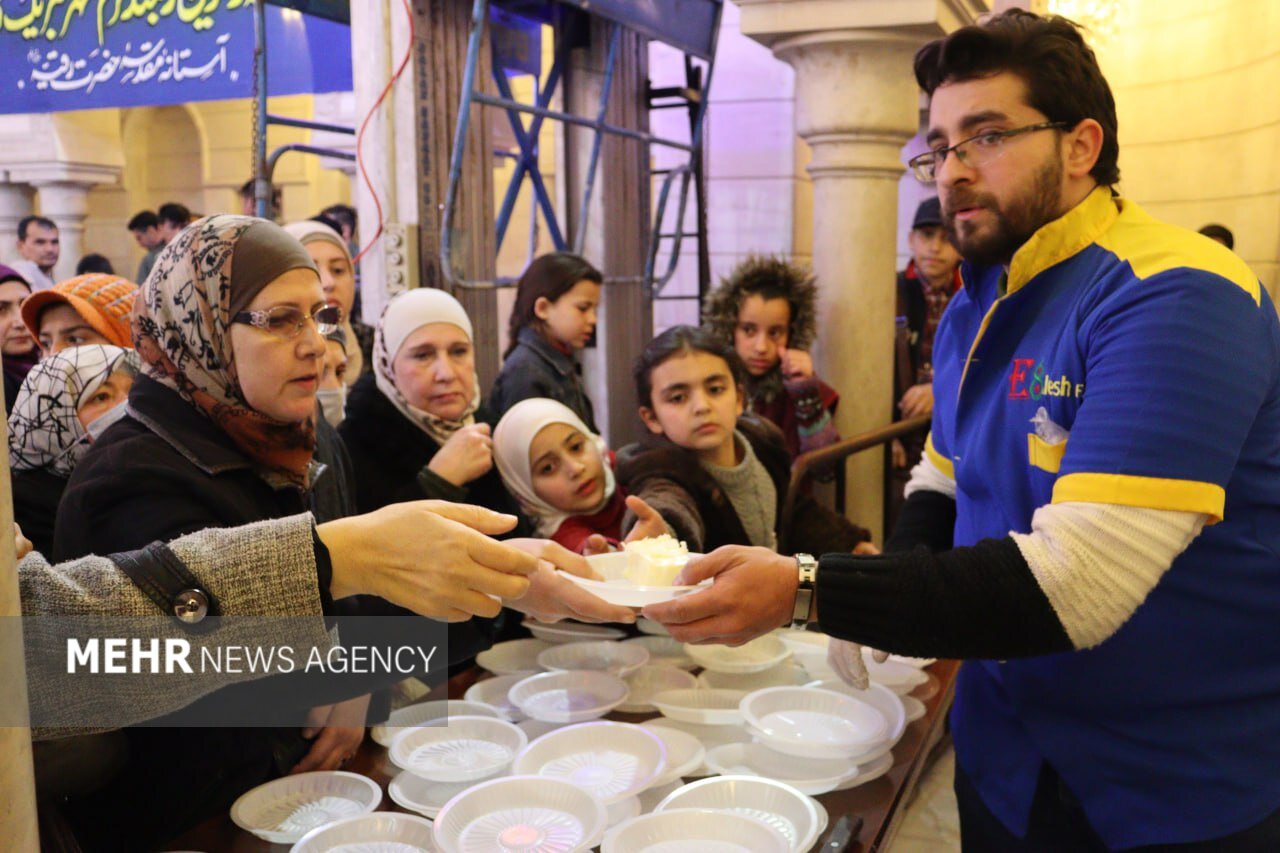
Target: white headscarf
x: 511, y: 440
x: 309, y: 231
x: 45, y: 429
x: 404, y: 315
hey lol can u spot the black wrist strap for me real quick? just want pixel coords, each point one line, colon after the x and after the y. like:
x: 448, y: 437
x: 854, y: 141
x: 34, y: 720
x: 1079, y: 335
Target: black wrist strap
x: 167, y: 581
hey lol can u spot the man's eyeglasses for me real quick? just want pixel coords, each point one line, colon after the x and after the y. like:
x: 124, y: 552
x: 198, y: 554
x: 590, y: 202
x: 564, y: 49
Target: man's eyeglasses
x: 286, y: 321
x: 974, y: 152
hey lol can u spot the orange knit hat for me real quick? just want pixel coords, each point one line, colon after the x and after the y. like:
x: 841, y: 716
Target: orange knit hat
x: 104, y: 301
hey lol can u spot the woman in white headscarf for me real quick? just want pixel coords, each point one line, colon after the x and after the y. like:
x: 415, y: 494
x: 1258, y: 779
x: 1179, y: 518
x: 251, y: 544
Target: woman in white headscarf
x: 64, y: 402
x: 414, y: 428
x: 338, y: 281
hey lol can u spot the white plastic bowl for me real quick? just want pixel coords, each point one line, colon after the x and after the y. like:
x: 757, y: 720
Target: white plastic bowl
x: 803, y: 642
x: 424, y: 713
x: 283, y: 810
x: 380, y: 832
x: 787, y: 810
x: 568, y: 697
x: 537, y: 728
x: 469, y: 748
x: 914, y: 708
x: 785, y: 674
x: 512, y: 656
x: 571, y: 632
x: 651, y: 628
x: 616, y: 813
x: 694, y: 831
x: 663, y: 651
x: 521, y: 813
x: 756, y: 656
x: 684, y: 753
x: 615, y: 588
x: 422, y: 795
x: 868, y: 772
x: 899, y: 677
x: 814, y: 723
x: 882, y: 698
x: 709, y: 736
x: 492, y: 692
x: 707, y: 707
x: 810, y: 776
x: 612, y: 761
x: 601, y: 655
x: 648, y: 681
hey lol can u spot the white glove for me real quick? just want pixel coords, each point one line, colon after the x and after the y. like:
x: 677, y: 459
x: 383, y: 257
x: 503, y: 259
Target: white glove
x: 846, y: 659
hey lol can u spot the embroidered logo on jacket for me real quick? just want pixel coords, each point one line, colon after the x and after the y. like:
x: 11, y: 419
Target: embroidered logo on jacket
x: 1030, y: 380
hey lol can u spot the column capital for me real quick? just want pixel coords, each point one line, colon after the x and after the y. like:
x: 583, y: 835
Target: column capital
x: 769, y: 21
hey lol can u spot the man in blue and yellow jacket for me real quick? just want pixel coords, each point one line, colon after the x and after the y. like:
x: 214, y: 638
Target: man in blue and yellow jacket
x: 1095, y: 525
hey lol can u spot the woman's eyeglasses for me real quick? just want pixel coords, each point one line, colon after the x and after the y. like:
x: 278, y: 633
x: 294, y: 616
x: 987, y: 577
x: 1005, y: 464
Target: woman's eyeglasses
x: 286, y: 321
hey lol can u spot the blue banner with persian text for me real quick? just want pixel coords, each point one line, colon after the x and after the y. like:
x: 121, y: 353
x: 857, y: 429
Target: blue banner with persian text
x: 83, y: 54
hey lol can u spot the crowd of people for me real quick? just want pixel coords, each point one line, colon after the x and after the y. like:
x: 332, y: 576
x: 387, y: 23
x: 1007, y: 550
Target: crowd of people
x: 236, y: 388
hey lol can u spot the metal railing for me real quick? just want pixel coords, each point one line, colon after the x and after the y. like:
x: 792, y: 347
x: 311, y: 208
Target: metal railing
x: 817, y: 462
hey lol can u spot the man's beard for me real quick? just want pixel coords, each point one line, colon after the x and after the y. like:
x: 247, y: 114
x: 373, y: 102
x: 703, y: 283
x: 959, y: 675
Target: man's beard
x: 1014, y: 224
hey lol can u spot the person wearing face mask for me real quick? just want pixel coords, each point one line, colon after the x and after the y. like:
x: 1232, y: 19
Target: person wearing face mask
x: 332, y: 394
x: 338, y: 280
x: 19, y: 348
x: 65, y: 403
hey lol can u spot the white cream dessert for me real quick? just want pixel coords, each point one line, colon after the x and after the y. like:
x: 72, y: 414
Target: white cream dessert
x: 655, y: 561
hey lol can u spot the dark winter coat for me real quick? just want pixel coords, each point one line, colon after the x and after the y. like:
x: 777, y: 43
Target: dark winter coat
x: 535, y: 368
x: 699, y: 511
x: 36, y: 493
x: 389, y: 456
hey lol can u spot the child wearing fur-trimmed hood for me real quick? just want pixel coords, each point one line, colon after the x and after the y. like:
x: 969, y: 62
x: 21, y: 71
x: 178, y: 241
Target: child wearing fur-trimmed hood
x: 766, y: 310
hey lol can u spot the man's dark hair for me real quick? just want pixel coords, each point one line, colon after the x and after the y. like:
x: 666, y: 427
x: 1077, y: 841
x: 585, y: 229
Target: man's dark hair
x: 95, y: 263
x: 677, y: 341
x: 143, y: 220
x: 1221, y: 233
x: 343, y: 213
x: 1048, y: 53
x: 174, y: 213
x: 26, y: 222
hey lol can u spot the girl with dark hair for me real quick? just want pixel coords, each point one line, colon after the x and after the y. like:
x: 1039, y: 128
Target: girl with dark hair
x: 553, y: 318
x: 716, y: 476
x: 767, y: 310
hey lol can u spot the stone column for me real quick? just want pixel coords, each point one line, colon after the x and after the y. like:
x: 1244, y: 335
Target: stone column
x: 856, y: 106
x: 67, y: 204
x: 15, y: 203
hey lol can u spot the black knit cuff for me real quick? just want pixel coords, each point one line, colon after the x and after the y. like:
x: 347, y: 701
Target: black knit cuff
x: 436, y: 487
x: 324, y: 577
x: 927, y: 518
x: 975, y: 602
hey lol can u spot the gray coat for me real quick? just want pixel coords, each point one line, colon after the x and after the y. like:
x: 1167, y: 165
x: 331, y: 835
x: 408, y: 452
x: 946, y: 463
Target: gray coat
x: 266, y: 569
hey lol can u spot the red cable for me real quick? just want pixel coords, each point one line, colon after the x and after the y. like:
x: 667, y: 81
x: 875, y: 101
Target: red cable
x: 364, y: 124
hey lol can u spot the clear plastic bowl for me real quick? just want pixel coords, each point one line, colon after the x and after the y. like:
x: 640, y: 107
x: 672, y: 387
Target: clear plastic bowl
x: 611, y: 760
x: 526, y: 813
x: 283, y: 810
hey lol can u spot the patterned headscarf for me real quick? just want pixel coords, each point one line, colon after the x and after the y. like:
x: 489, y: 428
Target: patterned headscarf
x: 511, y: 441
x: 404, y: 315
x: 44, y: 428
x: 182, y: 331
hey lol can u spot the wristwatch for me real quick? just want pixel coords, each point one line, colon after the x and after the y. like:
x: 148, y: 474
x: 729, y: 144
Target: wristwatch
x: 807, y: 579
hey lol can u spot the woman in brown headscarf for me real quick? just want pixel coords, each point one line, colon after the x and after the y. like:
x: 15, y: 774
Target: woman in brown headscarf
x: 220, y: 432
